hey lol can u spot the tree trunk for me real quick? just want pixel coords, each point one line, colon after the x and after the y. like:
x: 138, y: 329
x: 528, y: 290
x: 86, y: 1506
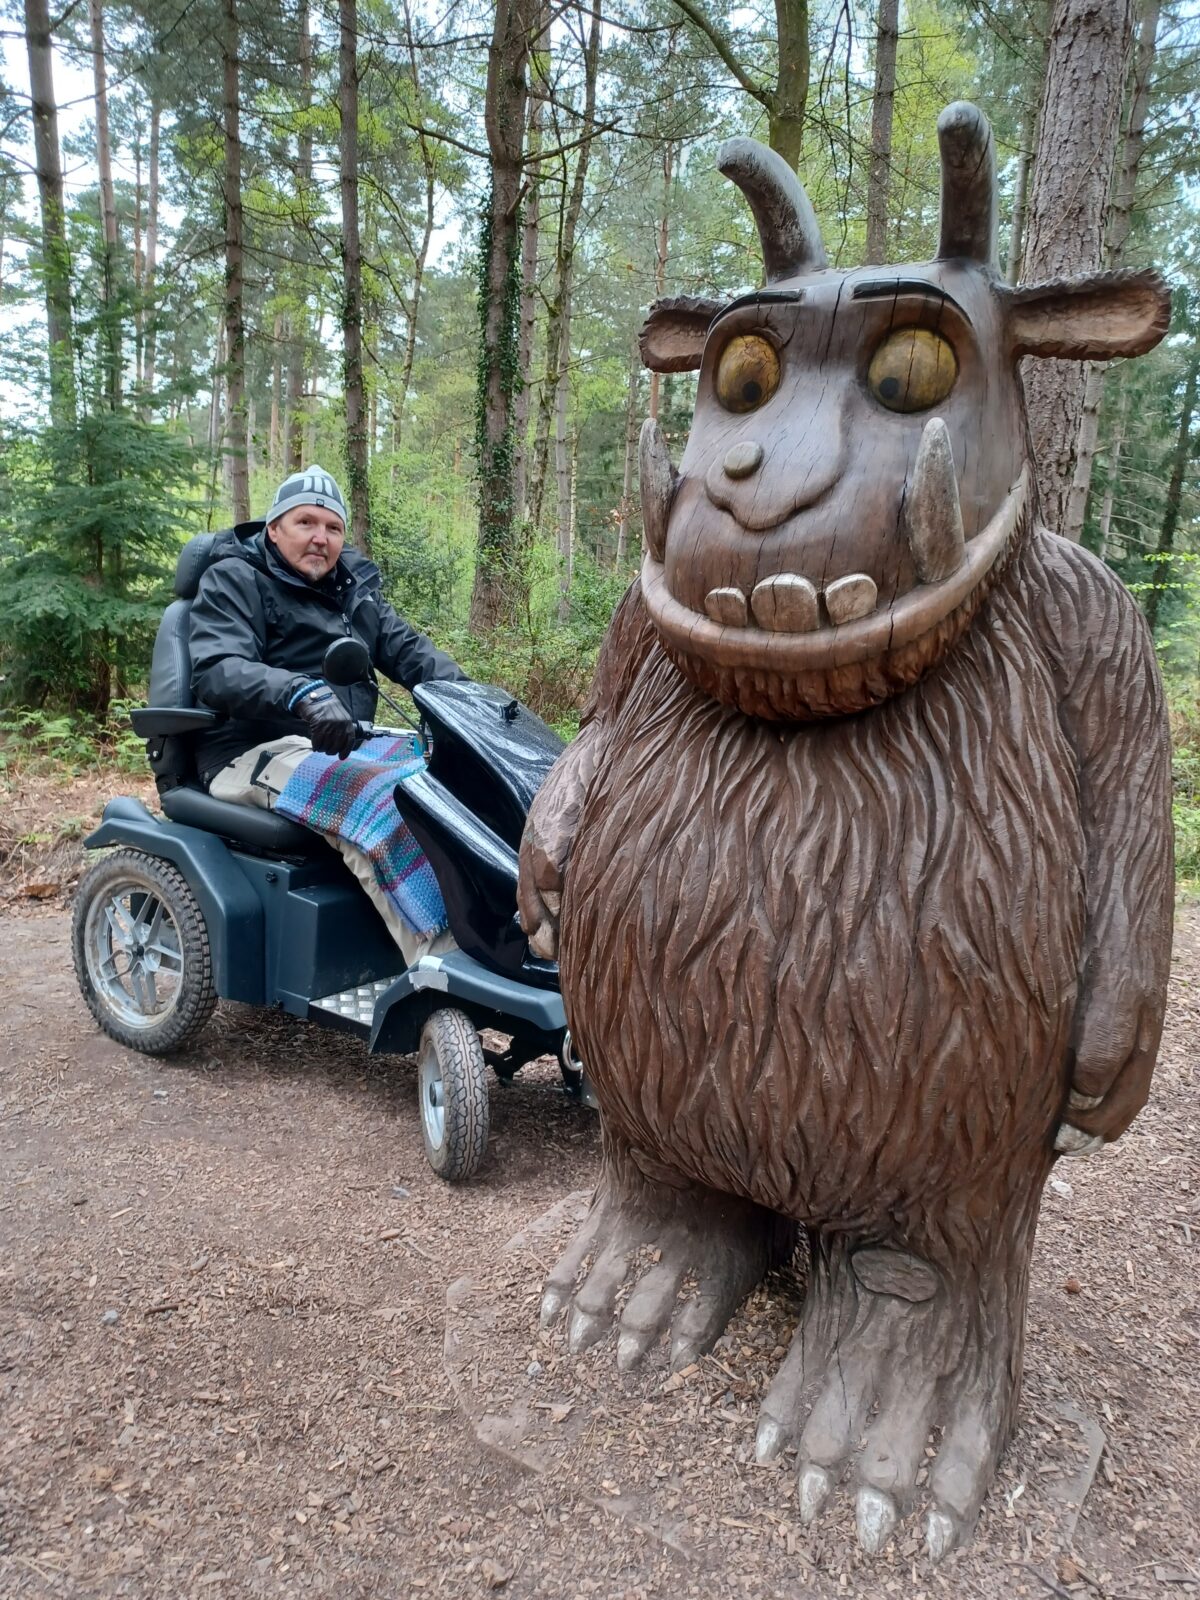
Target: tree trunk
x: 558, y: 320
x: 1116, y: 446
x: 1119, y: 223
x: 235, y: 328
x: 661, y: 249
x: 1016, y: 237
x: 151, y: 265
x: 538, y: 90
x: 785, y: 112
x: 1121, y: 217
x: 497, y: 587
x: 274, y: 440
x: 298, y: 321
x: 562, y: 475
x: 1079, y: 124
x: 108, y: 210
x: 352, y: 306
x: 631, y: 437
x: 1181, y: 460
x: 214, y: 405
x: 410, y: 337
x: 56, y: 259
x: 139, y: 263
x: 882, y: 103
x: 4, y: 198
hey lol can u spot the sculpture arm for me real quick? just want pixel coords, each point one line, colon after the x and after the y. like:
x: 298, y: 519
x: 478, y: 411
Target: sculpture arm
x: 554, y: 816
x: 1113, y: 712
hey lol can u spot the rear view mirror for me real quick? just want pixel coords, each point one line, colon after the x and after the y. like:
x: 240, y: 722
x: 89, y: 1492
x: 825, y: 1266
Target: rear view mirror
x: 346, y: 662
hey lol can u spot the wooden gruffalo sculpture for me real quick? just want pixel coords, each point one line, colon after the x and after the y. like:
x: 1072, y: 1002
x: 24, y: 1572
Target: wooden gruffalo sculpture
x: 862, y: 859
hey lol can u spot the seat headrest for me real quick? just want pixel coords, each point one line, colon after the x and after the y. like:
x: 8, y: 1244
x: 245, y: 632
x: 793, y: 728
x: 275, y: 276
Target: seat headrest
x: 202, y: 549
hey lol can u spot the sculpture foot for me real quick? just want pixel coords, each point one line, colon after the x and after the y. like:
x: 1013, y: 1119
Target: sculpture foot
x: 698, y: 1254
x: 888, y: 1350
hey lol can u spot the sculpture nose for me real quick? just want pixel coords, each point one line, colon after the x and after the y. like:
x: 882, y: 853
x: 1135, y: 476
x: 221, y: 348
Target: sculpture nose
x: 743, y: 459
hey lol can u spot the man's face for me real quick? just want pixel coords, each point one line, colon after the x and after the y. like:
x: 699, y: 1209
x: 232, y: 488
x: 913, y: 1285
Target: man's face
x: 310, y: 539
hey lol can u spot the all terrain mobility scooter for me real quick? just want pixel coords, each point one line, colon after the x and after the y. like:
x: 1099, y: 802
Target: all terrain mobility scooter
x: 222, y: 901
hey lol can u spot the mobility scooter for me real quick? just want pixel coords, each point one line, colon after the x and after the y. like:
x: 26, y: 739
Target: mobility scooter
x: 222, y: 901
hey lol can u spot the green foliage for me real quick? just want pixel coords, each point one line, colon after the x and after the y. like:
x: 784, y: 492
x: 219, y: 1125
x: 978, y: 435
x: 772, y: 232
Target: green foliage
x: 91, y: 519
x: 31, y: 739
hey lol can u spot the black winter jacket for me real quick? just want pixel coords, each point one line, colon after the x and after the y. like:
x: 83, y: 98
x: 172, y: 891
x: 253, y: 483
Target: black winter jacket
x: 258, y: 633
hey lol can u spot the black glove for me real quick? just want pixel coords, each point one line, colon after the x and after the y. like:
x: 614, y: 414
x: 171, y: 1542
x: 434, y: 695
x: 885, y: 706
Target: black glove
x: 330, y: 726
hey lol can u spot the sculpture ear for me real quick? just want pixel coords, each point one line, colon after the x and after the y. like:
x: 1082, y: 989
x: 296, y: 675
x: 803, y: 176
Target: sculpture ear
x: 1090, y: 319
x: 673, y: 334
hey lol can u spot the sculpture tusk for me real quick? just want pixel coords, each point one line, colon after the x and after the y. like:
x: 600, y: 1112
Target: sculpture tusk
x: 933, y: 517
x: 657, y: 480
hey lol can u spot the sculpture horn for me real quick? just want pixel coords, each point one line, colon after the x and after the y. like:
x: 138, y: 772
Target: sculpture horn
x: 933, y: 517
x: 657, y: 479
x: 968, y: 222
x: 787, y: 223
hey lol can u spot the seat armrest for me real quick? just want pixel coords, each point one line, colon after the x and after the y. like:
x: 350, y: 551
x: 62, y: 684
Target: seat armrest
x: 160, y: 722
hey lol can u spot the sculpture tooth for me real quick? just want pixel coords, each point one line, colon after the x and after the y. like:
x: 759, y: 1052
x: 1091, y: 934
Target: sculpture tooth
x: 786, y: 603
x: 932, y: 514
x: 727, y: 606
x: 657, y: 481
x: 850, y: 597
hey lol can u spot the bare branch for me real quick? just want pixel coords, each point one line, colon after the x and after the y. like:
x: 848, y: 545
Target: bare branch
x: 720, y: 43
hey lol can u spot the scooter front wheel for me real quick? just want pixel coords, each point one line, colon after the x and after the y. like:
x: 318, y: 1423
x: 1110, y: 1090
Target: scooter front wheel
x: 141, y: 950
x: 452, y: 1081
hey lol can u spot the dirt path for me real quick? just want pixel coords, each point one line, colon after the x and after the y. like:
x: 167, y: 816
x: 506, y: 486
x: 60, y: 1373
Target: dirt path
x: 222, y: 1315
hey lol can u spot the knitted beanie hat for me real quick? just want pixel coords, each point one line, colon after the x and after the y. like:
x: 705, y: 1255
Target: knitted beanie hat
x: 312, y: 486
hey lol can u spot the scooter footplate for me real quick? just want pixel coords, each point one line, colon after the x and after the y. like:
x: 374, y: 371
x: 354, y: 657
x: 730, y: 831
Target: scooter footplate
x: 355, y: 1005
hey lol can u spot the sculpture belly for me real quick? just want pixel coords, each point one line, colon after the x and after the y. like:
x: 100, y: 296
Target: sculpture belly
x: 822, y: 965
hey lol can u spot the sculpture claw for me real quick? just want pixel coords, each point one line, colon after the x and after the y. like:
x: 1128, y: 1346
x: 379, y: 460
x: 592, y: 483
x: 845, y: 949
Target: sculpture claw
x: 941, y: 1535
x: 630, y: 1350
x: 1073, y: 1141
x: 683, y: 1354
x: 768, y: 1442
x: 552, y: 1303
x: 583, y: 1331
x: 874, y: 1518
x: 815, y: 1484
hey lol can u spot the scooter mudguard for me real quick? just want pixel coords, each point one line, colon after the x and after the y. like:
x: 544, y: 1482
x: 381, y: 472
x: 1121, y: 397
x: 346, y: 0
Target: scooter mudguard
x: 232, y: 910
x: 457, y: 979
x: 476, y: 871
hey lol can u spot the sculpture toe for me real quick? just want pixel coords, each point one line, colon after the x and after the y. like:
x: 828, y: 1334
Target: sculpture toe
x: 875, y: 1516
x: 941, y: 1535
x: 812, y: 1492
x: 648, y: 1312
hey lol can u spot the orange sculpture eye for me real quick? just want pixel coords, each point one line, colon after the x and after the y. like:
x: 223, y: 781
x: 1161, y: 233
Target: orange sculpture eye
x: 912, y: 370
x: 747, y: 373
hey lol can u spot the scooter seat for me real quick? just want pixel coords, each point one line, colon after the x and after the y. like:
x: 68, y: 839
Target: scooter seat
x: 261, y: 830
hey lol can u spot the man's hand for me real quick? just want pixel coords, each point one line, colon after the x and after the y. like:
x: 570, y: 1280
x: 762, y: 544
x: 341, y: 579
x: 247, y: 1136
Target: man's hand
x: 330, y: 726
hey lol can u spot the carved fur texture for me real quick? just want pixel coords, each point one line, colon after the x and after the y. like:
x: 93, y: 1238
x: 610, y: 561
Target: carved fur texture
x: 835, y: 969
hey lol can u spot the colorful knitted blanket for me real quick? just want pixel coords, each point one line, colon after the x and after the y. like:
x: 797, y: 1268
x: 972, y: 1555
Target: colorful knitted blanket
x: 354, y: 799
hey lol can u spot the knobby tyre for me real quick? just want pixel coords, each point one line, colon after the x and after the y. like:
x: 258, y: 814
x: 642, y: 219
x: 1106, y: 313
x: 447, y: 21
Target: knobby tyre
x: 142, y: 956
x: 453, y: 1088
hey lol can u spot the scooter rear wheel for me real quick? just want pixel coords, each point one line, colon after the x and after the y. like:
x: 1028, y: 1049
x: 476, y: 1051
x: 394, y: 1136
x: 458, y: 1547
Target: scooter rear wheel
x: 452, y: 1081
x: 141, y: 951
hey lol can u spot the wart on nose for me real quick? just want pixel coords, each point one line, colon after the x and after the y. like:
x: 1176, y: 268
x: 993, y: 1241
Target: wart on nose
x: 743, y: 459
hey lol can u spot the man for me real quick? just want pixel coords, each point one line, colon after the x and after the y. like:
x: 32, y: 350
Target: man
x: 266, y: 611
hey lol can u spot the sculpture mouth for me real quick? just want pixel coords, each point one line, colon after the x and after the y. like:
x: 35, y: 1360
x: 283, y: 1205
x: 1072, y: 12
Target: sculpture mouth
x: 792, y: 643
